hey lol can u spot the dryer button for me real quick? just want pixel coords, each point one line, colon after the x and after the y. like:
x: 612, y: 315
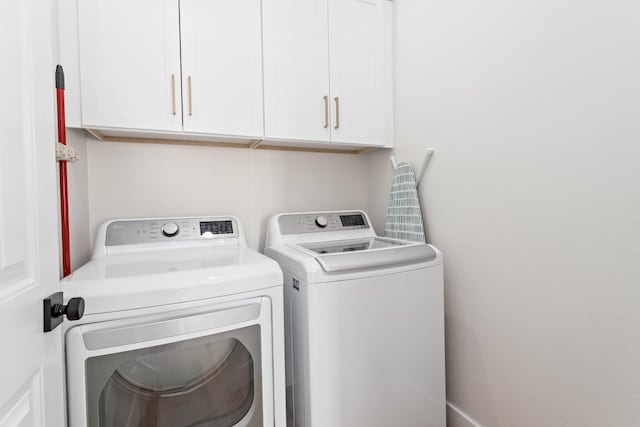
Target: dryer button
x: 170, y: 229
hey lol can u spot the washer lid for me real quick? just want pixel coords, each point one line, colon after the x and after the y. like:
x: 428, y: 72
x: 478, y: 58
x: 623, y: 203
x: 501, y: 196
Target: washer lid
x: 353, y: 245
x: 345, y: 255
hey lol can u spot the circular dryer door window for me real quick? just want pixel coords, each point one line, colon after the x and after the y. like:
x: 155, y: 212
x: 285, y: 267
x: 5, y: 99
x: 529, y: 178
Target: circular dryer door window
x: 209, y: 381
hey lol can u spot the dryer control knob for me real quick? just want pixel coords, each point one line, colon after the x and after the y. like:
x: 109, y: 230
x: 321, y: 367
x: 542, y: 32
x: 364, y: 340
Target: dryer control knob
x: 322, y: 221
x: 170, y: 229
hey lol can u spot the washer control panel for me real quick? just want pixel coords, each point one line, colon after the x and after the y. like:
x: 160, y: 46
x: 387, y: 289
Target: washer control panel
x: 169, y: 229
x: 322, y: 222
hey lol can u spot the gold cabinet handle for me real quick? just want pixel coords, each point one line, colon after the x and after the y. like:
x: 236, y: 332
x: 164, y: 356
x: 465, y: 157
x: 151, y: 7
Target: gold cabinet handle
x: 337, y: 99
x: 190, y: 97
x: 326, y: 112
x: 173, y: 94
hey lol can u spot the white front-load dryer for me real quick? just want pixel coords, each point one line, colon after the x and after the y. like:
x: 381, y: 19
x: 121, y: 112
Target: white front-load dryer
x: 364, y: 323
x: 183, y: 326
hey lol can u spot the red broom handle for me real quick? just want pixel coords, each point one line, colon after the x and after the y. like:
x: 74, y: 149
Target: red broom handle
x: 64, y: 196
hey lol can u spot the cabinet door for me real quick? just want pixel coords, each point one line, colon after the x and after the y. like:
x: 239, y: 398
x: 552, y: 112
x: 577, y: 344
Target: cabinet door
x: 130, y: 64
x: 296, y: 69
x: 360, y: 69
x: 222, y: 66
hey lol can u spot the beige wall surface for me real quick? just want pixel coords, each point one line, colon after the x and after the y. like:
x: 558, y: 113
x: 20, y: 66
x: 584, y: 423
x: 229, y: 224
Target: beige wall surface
x: 78, y: 195
x: 533, y: 108
x: 141, y: 180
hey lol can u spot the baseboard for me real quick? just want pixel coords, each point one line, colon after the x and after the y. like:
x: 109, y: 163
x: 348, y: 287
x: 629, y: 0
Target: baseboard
x: 456, y: 417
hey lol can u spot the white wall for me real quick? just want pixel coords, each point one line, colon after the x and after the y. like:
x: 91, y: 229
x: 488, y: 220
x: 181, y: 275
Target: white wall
x: 533, y: 108
x: 138, y: 180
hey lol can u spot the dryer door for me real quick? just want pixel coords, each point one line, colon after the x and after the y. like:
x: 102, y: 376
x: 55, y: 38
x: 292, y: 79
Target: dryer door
x: 182, y: 369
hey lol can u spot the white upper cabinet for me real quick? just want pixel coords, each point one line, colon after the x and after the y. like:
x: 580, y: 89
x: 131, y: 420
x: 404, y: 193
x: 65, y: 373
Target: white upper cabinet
x: 360, y: 80
x: 287, y: 72
x: 222, y: 66
x: 130, y: 64
x: 296, y: 70
x: 328, y: 71
x: 192, y: 66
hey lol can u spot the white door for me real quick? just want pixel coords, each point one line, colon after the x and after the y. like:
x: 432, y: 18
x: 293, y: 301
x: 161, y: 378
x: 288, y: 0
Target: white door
x: 359, y: 48
x: 30, y: 360
x: 222, y: 66
x: 130, y: 64
x: 296, y: 70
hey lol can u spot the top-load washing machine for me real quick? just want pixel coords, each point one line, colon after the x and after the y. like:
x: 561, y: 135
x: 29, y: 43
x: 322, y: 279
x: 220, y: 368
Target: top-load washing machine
x: 364, y: 323
x: 183, y: 327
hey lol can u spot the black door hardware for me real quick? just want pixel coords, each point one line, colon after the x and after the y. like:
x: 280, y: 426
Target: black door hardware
x: 55, y: 310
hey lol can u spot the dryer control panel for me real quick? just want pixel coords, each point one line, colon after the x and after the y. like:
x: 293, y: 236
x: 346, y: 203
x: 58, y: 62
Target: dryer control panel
x: 322, y: 222
x: 131, y: 232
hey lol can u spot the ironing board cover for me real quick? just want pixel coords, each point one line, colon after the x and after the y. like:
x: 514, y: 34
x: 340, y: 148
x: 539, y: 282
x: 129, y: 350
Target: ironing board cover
x: 404, y: 217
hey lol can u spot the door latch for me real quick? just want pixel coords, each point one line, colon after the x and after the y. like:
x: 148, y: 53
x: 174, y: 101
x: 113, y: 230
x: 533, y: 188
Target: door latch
x: 55, y: 310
